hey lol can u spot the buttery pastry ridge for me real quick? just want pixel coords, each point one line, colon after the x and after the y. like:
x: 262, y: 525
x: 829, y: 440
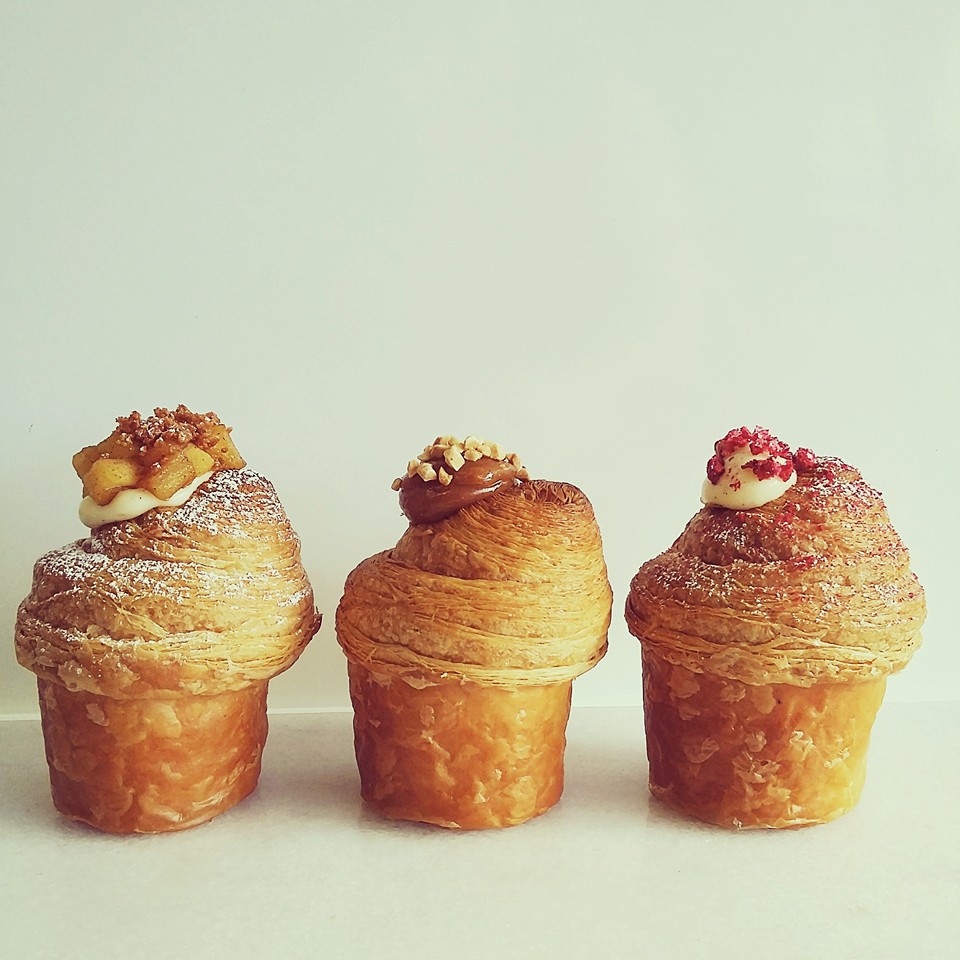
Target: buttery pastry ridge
x: 153, y: 640
x: 768, y: 630
x: 463, y: 640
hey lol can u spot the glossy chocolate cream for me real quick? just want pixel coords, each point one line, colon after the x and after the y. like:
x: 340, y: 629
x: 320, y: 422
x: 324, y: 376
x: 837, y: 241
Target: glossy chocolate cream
x: 426, y: 501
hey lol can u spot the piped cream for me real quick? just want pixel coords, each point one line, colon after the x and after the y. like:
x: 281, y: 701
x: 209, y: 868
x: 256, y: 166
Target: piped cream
x: 749, y: 469
x: 131, y: 503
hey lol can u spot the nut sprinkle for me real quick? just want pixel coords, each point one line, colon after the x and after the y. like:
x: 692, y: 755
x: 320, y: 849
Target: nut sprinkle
x: 451, y: 474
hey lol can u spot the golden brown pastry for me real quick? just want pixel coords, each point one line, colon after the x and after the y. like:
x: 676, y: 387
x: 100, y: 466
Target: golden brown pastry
x: 464, y: 639
x: 768, y: 631
x: 153, y: 639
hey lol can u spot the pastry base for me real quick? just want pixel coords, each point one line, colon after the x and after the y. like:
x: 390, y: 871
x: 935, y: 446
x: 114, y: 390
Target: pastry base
x: 151, y: 766
x: 742, y: 756
x: 457, y: 753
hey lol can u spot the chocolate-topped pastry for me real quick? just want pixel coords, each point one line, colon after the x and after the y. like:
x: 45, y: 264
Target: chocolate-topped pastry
x: 464, y: 639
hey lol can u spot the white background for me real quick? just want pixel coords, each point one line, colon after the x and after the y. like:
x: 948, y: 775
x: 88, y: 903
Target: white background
x: 599, y: 233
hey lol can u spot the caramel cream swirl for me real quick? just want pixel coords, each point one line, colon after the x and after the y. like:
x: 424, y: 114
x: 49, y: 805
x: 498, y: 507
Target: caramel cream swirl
x: 451, y: 474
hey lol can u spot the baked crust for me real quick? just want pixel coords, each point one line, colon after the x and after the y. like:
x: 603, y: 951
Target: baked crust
x: 813, y: 586
x: 457, y: 753
x: 151, y: 765
x: 512, y: 590
x: 756, y: 755
x: 767, y: 638
x: 179, y: 607
x: 453, y: 634
x: 204, y: 598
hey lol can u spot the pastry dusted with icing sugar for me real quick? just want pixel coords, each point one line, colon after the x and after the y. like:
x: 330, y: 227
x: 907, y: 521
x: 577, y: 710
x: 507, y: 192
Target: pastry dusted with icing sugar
x: 768, y: 631
x: 154, y: 638
x: 464, y: 639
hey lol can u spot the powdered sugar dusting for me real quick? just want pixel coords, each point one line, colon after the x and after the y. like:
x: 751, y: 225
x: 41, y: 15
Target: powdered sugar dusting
x: 234, y: 502
x: 202, y: 598
x: 188, y: 553
x: 75, y: 567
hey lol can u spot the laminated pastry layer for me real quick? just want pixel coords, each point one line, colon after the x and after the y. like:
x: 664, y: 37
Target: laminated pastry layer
x: 201, y: 599
x: 511, y: 590
x: 457, y: 753
x: 151, y: 765
x: 814, y: 586
x: 756, y: 755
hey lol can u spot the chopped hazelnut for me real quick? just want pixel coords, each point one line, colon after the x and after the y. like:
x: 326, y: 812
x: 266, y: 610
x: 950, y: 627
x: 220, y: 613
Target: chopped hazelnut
x: 454, y: 458
x: 396, y: 484
x: 453, y: 454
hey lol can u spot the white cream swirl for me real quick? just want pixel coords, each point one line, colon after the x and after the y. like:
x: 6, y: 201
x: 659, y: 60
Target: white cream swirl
x: 739, y: 487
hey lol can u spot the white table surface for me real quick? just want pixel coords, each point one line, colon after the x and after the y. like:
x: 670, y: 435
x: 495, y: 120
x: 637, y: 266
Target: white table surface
x: 301, y: 869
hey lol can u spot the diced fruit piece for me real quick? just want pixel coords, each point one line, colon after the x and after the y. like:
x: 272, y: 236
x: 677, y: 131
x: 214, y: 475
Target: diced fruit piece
x: 83, y: 459
x: 106, y: 477
x: 118, y: 446
x: 156, y: 454
x: 215, y: 439
x: 201, y: 460
x: 230, y: 456
x: 161, y: 450
x: 166, y: 478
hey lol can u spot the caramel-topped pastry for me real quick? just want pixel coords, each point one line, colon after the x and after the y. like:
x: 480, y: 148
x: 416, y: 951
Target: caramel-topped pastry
x: 154, y: 638
x: 157, y: 461
x: 768, y: 630
x: 464, y: 639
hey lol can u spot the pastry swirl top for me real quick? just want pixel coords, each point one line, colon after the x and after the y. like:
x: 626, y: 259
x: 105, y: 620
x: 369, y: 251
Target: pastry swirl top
x: 195, y: 600
x: 511, y: 590
x: 815, y: 585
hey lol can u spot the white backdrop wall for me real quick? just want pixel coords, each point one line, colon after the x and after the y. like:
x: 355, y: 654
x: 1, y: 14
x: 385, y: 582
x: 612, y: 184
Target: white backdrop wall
x: 600, y: 233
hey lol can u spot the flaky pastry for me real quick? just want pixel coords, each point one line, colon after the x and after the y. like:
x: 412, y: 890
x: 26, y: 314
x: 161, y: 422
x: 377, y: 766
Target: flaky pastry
x: 768, y: 630
x: 464, y: 639
x: 153, y: 640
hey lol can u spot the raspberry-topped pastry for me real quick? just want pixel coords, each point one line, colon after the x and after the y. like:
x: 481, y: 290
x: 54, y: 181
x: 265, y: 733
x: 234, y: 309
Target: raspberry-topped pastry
x: 154, y: 637
x: 768, y: 631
